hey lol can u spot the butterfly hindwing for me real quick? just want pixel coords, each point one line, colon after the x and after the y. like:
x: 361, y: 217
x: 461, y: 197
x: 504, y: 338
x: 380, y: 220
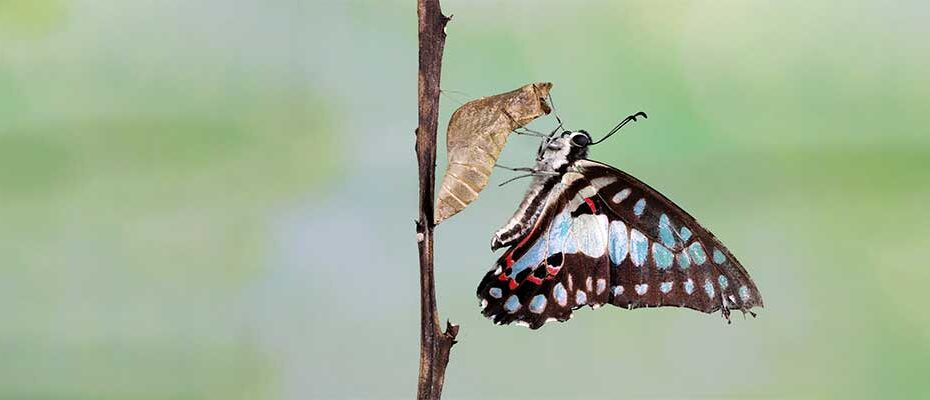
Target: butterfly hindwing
x: 561, y: 265
x: 605, y: 237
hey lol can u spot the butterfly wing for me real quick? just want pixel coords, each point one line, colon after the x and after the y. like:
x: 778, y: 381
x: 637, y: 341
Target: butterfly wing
x: 606, y: 237
x: 560, y: 265
x: 660, y: 255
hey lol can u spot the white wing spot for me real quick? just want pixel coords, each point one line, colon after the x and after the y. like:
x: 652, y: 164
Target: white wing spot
x: 588, y: 191
x: 602, y: 181
x: 618, y: 290
x: 621, y: 195
x: 641, y: 289
x: 590, y: 233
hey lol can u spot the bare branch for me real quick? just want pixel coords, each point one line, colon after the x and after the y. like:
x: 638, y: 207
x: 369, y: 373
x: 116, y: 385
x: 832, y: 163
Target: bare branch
x: 435, y: 344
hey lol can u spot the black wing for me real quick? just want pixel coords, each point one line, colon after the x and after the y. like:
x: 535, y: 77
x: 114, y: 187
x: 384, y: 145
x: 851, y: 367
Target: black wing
x: 606, y: 237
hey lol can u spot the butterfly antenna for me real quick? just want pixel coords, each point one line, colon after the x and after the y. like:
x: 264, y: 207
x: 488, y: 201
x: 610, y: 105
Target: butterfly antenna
x: 621, y: 124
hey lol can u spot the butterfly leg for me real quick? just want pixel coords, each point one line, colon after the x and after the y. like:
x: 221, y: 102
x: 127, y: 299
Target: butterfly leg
x: 556, y: 114
x: 525, y: 131
x: 529, y: 132
x: 520, y: 169
x: 534, y: 173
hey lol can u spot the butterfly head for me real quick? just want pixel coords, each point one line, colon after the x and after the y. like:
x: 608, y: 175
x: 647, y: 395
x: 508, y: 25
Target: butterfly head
x: 562, y: 149
x: 559, y: 150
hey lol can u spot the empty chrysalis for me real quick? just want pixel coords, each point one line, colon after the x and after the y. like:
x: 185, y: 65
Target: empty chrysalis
x: 476, y: 136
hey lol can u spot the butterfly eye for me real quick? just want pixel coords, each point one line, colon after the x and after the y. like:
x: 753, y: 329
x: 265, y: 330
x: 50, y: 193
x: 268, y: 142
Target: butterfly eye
x: 580, y: 140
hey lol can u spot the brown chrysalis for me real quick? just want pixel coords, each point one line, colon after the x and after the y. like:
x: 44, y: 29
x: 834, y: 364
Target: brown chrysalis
x: 476, y: 136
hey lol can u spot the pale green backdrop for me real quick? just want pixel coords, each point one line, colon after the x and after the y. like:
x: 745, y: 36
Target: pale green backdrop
x: 215, y: 200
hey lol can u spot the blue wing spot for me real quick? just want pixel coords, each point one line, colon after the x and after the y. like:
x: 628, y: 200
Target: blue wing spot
x: 601, y: 286
x: 538, y: 304
x: 561, y: 296
x: 689, y: 286
x: 532, y: 258
x: 709, y: 288
x: 639, y: 207
x: 641, y: 289
x: 744, y: 293
x: 619, y: 242
x: 718, y: 256
x: 697, y: 253
x: 722, y: 280
x: 639, y: 246
x: 662, y: 256
x: 683, y: 260
x: 495, y: 292
x: 665, y: 231
x: 580, y: 297
x: 665, y: 287
x: 559, y: 240
x: 685, y: 233
x: 512, y: 304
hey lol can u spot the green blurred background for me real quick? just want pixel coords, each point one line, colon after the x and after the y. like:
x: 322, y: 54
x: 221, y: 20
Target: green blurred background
x: 214, y: 200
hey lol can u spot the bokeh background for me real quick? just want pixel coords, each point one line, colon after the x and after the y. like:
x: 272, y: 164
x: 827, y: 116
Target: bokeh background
x: 215, y: 200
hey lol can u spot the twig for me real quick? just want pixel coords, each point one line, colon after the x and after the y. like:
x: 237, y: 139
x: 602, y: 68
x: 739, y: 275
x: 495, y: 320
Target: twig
x: 435, y: 344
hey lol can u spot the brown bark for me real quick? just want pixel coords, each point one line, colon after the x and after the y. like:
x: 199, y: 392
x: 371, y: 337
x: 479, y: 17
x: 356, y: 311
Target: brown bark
x: 435, y: 344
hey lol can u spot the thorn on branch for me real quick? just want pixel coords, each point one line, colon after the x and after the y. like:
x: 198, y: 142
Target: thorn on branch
x: 452, y: 331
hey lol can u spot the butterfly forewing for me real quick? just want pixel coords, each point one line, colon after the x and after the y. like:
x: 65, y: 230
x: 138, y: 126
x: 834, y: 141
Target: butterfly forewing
x: 671, y: 260
x: 606, y: 237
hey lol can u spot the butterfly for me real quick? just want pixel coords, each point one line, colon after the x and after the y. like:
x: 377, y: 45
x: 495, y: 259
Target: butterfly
x: 588, y: 234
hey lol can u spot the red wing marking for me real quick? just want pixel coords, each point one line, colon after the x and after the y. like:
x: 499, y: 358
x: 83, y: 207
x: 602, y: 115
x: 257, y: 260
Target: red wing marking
x: 553, y: 270
x: 591, y: 205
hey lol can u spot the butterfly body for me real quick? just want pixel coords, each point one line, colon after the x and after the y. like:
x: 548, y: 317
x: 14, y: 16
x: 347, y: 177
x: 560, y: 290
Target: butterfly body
x: 589, y: 234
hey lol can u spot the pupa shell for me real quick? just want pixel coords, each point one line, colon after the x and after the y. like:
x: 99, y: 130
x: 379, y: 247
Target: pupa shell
x: 476, y: 136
